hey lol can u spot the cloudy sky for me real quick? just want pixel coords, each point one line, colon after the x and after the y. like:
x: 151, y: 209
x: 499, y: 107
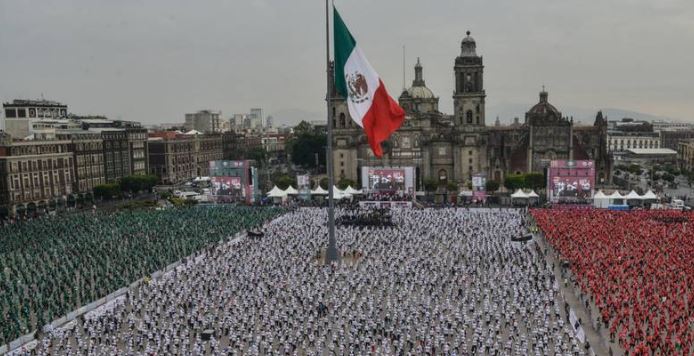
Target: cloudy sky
x: 155, y: 60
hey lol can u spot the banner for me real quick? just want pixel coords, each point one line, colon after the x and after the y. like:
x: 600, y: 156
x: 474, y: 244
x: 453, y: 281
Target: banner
x: 303, y: 183
x: 479, y: 187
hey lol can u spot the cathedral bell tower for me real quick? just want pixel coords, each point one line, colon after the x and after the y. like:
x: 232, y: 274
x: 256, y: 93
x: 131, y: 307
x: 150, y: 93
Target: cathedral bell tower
x: 468, y: 98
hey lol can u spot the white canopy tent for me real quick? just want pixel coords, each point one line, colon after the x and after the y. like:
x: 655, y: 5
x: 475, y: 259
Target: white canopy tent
x: 352, y: 191
x: 533, y: 195
x: 339, y: 194
x: 276, y: 193
x: 600, y: 200
x: 319, y: 191
x: 617, y: 199
x: 291, y: 191
x: 633, y: 199
x: 649, y: 196
x: 519, y: 194
x: 633, y: 196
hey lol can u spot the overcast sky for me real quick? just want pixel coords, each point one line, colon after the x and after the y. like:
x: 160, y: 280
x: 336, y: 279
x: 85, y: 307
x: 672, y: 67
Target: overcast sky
x: 153, y: 61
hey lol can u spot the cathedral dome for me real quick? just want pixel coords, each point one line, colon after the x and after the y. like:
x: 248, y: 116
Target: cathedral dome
x: 468, y: 46
x: 544, y: 108
x: 420, y: 93
x: 419, y: 90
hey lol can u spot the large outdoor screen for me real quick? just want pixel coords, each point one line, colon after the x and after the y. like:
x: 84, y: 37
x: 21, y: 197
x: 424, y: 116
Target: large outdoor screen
x: 226, y: 186
x: 570, y: 180
x: 387, y: 179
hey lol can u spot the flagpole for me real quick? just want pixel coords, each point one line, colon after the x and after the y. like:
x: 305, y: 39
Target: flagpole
x: 331, y: 253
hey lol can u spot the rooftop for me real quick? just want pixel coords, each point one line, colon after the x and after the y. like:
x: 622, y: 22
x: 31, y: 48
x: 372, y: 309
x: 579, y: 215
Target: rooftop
x: 27, y: 102
x: 652, y: 151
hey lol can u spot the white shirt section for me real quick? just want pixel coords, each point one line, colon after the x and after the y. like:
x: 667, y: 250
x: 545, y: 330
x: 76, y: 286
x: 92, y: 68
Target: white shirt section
x: 358, y: 64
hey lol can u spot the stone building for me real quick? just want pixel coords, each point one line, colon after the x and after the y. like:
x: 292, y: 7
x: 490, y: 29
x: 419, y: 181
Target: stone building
x: 87, y: 150
x: 685, y: 155
x: 137, y: 147
x: 629, y: 133
x: 672, y: 138
x: 116, y: 153
x: 207, y: 148
x: 454, y: 147
x: 20, y: 114
x: 172, y: 157
x: 35, y: 175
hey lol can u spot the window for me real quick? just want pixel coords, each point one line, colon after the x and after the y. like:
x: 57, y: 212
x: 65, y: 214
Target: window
x: 10, y: 113
x: 343, y: 123
x: 468, y: 116
x: 21, y: 113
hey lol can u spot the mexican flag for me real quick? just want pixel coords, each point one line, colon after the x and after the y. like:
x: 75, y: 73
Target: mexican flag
x: 369, y: 103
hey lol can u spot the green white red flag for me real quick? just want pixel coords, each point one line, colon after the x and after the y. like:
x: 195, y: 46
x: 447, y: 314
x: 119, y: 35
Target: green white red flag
x: 368, y: 101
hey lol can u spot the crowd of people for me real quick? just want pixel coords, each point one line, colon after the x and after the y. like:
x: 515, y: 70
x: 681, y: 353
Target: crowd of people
x: 55, y: 264
x: 443, y: 281
x: 637, y: 267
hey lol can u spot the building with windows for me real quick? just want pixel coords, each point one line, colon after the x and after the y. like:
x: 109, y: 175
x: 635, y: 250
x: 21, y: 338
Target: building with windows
x: 116, y: 151
x: 454, y: 147
x: 207, y: 148
x: 172, y: 157
x: 204, y: 121
x: 137, y: 148
x: 34, y: 109
x: 629, y: 134
x: 19, y: 115
x: 88, y: 158
x: 672, y: 138
x: 35, y: 175
x: 685, y: 155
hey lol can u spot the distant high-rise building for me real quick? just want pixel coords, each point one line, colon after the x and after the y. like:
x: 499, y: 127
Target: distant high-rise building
x: 256, y: 118
x: 269, y: 122
x: 204, y: 121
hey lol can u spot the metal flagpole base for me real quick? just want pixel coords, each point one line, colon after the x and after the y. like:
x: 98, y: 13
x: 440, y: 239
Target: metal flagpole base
x: 332, y: 255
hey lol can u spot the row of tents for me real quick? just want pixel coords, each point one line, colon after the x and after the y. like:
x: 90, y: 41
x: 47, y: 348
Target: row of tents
x: 604, y: 201
x: 520, y: 194
x: 277, y: 193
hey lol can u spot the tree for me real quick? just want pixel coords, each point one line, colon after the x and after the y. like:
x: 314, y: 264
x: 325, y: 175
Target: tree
x: 107, y: 191
x: 491, y: 186
x: 258, y: 154
x: 344, y: 183
x: 452, y: 187
x: 324, y: 183
x: 303, y: 128
x: 535, y: 181
x: 634, y: 169
x: 430, y: 184
x: 137, y: 183
x: 308, y: 148
x: 284, y: 181
x: 514, y: 181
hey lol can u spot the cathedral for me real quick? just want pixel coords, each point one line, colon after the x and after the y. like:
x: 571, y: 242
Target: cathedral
x: 453, y: 148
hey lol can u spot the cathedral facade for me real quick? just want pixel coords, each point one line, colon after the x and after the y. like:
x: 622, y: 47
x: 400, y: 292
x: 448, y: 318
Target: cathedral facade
x: 452, y: 148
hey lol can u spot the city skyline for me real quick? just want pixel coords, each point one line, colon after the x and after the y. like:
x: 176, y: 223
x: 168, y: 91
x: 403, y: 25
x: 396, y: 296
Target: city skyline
x: 152, y: 63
